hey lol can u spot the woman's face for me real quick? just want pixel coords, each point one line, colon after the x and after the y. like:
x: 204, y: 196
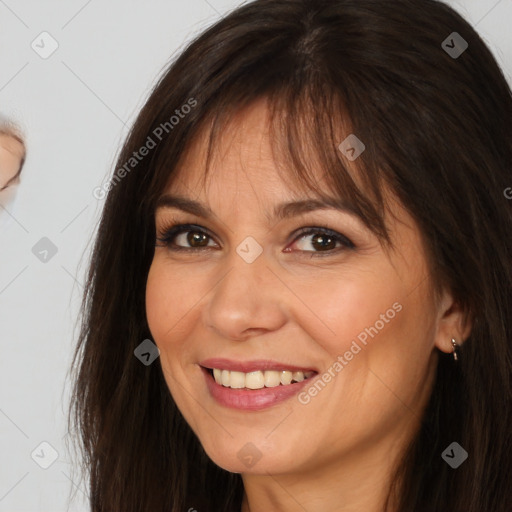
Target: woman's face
x: 264, y: 303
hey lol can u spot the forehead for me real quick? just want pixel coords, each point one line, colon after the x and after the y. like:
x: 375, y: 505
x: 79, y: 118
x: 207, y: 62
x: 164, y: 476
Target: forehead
x: 242, y: 154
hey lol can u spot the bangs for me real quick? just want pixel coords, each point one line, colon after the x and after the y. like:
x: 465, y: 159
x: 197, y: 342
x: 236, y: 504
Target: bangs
x: 305, y: 132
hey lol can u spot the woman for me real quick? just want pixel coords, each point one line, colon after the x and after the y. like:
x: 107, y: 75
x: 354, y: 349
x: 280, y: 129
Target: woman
x: 300, y: 293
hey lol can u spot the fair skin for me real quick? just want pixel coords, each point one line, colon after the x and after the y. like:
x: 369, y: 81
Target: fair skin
x: 305, y: 309
x: 11, y: 154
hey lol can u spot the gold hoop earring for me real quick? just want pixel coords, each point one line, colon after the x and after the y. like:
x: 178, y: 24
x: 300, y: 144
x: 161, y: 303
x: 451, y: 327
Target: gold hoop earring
x: 455, y: 346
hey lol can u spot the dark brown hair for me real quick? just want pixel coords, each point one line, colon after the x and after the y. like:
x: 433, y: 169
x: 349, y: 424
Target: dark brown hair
x: 437, y: 131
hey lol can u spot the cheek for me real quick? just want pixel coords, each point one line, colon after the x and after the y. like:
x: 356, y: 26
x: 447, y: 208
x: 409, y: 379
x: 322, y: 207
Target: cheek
x: 157, y: 301
x: 170, y: 315
x: 375, y: 334
x: 356, y: 305
x: 165, y: 312
x: 170, y: 299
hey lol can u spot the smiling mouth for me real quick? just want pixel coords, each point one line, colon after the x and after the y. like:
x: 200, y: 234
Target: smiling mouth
x: 258, y: 379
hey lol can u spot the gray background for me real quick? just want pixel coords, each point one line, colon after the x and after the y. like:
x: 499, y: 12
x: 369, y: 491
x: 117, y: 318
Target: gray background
x: 76, y: 107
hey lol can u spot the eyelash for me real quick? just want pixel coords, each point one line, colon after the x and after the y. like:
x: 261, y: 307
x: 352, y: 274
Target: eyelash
x: 170, y: 232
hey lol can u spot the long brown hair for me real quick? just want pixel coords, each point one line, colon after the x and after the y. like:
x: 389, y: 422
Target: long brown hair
x: 438, y: 132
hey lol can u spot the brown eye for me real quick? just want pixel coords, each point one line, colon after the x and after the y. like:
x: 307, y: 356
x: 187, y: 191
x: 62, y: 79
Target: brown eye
x: 197, y: 239
x: 185, y: 237
x: 323, y: 242
x: 316, y: 240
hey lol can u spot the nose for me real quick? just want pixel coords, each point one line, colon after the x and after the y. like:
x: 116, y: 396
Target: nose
x: 249, y: 300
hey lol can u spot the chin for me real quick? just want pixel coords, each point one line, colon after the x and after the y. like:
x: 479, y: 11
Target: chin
x: 256, y: 456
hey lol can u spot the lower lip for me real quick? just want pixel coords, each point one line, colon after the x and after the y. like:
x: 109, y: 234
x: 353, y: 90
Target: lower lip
x: 252, y: 399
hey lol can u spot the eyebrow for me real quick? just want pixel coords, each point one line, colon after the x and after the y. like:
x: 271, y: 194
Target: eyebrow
x: 281, y: 211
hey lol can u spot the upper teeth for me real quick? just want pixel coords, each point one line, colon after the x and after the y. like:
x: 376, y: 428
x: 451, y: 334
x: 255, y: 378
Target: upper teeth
x: 258, y: 379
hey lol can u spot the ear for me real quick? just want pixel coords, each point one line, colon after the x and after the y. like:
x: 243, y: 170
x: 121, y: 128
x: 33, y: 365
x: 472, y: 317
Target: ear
x: 452, y: 322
